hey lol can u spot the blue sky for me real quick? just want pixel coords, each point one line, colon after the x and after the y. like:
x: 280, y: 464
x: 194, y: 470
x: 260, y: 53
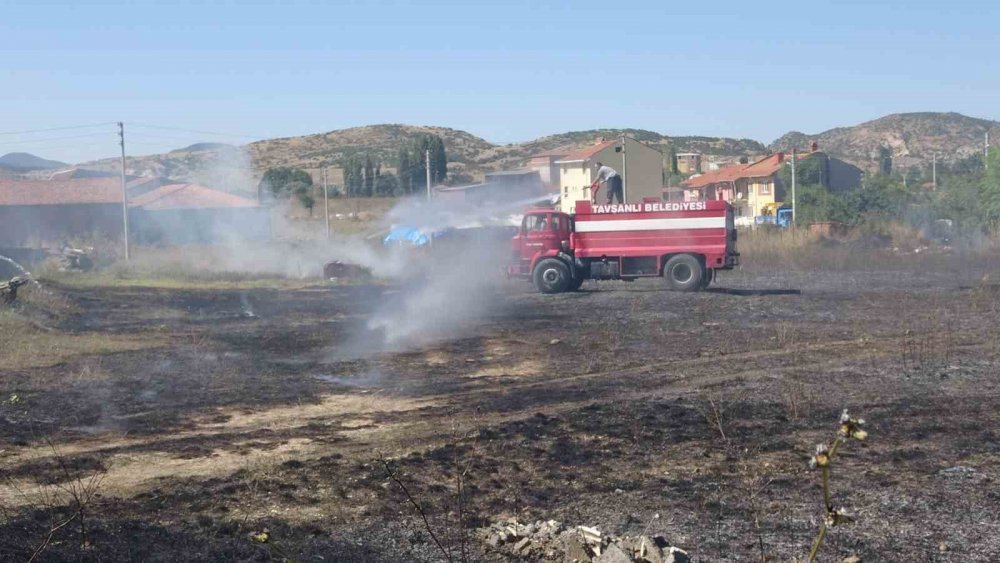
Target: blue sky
x: 508, y: 72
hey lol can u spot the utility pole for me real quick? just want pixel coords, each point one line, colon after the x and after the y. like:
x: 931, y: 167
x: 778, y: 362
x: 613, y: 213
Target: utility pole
x: 121, y: 137
x: 934, y: 172
x: 986, y: 151
x: 427, y: 165
x: 326, y: 204
x: 624, y: 172
x: 795, y: 156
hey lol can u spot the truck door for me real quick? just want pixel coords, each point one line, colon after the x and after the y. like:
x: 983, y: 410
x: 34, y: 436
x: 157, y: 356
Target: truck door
x: 538, y: 234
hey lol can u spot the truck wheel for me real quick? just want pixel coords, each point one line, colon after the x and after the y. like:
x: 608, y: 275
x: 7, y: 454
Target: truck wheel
x: 575, y: 284
x: 684, y: 273
x: 707, y: 278
x: 552, y: 276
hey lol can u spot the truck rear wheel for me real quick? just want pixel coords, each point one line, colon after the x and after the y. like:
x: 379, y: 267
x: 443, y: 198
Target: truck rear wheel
x: 552, y: 276
x: 684, y: 273
x: 707, y: 278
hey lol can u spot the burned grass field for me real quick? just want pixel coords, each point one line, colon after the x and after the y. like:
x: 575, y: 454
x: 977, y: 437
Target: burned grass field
x: 208, y: 423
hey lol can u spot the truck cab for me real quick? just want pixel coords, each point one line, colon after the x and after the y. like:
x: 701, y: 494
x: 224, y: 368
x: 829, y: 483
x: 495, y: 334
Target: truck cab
x: 543, y: 232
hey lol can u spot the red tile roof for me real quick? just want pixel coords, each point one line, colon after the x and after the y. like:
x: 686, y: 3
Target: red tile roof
x: 762, y: 168
x: 558, y: 153
x: 584, y: 154
x: 188, y: 196
x: 61, y: 192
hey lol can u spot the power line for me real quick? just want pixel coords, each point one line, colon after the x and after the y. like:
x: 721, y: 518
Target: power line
x: 26, y: 131
x: 158, y: 136
x: 64, y: 137
x: 197, y: 131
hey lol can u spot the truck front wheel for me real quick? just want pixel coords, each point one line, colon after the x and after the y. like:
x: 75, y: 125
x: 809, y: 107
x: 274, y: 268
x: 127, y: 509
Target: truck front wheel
x: 684, y: 273
x: 552, y: 276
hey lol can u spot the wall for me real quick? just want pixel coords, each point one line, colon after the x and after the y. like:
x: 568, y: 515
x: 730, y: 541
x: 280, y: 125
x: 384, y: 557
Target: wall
x: 547, y: 169
x: 843, y: 176
x: 199, y: 226
x: 643, y: 175
x: 761, y: 191
x: 49, y: 225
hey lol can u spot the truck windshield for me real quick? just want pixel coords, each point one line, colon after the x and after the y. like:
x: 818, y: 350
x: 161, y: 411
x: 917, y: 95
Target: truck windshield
x: 535, y: 223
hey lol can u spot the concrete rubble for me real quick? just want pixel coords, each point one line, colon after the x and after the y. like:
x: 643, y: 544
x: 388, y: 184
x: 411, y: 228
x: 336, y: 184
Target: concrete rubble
x: 549, y: 540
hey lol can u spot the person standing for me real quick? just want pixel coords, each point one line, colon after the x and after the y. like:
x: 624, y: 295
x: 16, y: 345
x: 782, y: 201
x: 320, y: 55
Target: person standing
x: 612, y: 181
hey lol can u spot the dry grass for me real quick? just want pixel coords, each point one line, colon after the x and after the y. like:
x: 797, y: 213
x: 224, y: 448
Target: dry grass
x: 885, y: 245
x: 203, y: 267
x: 25, y: 344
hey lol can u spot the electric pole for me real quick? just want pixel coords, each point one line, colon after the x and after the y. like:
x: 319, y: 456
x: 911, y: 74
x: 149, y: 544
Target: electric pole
x: 326, y: 204
x: 986, y: 151
x: 427, y: 161
x: 121, y: 137
x: 624, y: 172
x: 795, y: 156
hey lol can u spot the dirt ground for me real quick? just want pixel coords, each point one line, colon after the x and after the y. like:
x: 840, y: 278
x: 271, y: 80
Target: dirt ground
x: 216, y: 435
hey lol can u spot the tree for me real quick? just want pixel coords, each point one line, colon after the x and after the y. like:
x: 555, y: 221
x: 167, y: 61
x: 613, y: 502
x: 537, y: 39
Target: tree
x: 278, y: 180
x: 405, y: 171
x: 412, y: 165
x: 991, y: 189
x: 303, y: 193
x: 673, y: 161
x: 386, y: 185
x: 884, y: 161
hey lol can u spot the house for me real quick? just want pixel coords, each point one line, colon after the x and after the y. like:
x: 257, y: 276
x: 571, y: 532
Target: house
x: 194, y: 214
x: 45, y: 213
x: 689, y: 163
x: 35, y: 212
x: 754, y: 188
x: 545, y: 164
x: 640, y: 165
x: 506, y: 186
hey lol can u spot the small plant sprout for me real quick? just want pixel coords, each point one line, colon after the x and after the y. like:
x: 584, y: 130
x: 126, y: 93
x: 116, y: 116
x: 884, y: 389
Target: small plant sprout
x: 823, y: 460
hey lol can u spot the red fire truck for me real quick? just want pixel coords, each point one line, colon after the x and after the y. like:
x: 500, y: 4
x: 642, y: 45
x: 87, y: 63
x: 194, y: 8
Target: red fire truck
x: 685, y: 242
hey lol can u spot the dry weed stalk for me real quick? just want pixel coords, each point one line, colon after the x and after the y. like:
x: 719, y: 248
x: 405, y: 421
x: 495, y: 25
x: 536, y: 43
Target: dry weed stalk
x: 393, y: 475
x: 81, y: 491
x: 823, y: 459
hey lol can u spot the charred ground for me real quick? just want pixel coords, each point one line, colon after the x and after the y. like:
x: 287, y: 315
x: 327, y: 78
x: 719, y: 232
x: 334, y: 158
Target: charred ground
x: 230, y: 413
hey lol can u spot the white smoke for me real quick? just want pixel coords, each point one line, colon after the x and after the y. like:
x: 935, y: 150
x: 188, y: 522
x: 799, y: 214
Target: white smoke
x: 453, y: 283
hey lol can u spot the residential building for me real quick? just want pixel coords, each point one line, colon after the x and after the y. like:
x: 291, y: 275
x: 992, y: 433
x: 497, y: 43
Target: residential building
x: 194, y: 214
x: 756, y: 187
x: 640, y: 165
x: 506, y: 186
x: 545, y: 164
x: 689, y: 163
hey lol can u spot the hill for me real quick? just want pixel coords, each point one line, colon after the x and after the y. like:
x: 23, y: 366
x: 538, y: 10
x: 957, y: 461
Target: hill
x: 469, y: 156
x: 913, y: 137
x: 24, y: 162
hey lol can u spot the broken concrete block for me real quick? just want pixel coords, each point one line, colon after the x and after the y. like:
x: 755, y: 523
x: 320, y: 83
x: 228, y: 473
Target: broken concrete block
x: 522, y: 547
x: 613, y: 554
x: 575, y: 550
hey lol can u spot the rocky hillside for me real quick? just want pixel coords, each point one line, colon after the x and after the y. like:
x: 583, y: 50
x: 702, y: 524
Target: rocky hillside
x: 913, y: 137
x: 469, y: 156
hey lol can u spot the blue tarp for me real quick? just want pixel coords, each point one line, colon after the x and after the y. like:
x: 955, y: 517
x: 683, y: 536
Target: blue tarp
x: 406, y: 235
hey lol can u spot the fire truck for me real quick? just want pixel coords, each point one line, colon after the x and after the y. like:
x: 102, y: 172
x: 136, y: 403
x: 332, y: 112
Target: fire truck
x: 684, y: 242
